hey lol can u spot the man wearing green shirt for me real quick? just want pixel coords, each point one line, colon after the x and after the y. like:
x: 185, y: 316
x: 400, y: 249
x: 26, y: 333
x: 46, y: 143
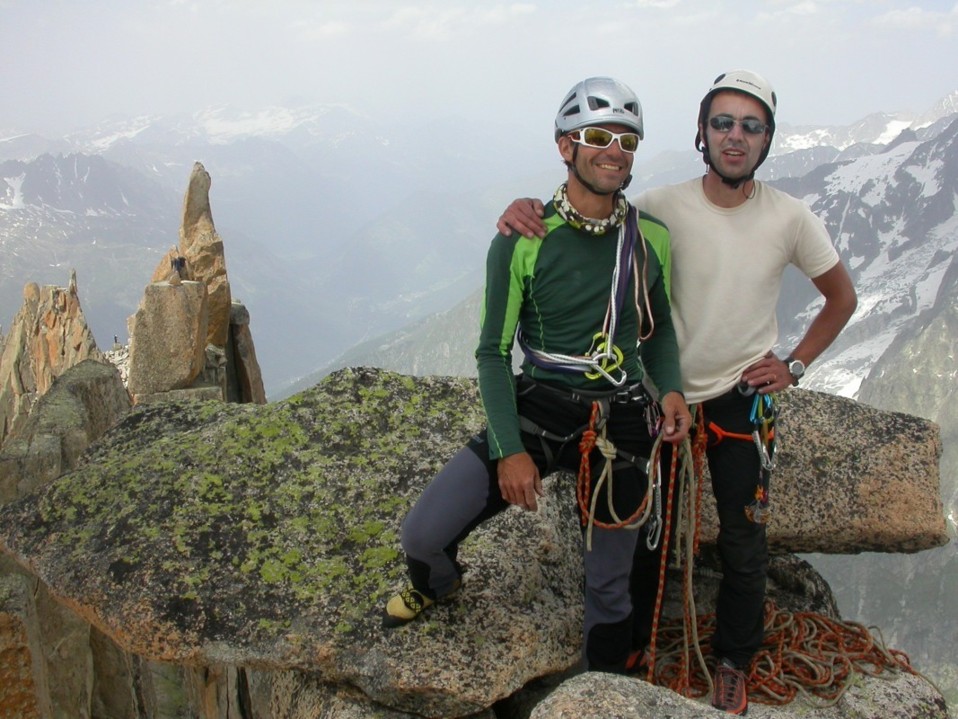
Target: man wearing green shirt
x: 588, y: 304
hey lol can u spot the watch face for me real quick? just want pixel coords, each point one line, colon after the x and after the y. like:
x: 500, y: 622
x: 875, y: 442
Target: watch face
x: 797, y: 368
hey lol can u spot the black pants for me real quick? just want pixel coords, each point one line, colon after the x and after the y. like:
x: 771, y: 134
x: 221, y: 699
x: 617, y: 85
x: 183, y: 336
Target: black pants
x: 734, y: 465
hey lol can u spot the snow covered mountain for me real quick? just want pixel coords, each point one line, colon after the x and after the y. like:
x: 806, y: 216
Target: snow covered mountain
x: 893, y: 218
x: 875, y: 129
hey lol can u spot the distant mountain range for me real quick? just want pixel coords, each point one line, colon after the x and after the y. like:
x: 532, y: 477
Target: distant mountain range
x: 889, y: 208
x: 338, y: 227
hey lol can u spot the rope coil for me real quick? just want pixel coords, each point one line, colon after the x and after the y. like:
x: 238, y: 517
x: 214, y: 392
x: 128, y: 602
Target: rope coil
x: 803, y: 653
x: 588, y: 498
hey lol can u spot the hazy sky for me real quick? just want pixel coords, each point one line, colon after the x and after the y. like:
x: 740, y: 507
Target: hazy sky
x: 70, y: 63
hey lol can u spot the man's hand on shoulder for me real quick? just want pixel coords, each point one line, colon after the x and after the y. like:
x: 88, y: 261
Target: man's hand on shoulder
x: 676, y: 420
x: 524, y: 216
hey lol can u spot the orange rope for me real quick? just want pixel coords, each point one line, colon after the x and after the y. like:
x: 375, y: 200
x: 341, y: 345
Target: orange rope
x: 584, y: 482
x: 698, y: 467
x: 663, y: 562
x: 583, y: 488
x: 802, y: 652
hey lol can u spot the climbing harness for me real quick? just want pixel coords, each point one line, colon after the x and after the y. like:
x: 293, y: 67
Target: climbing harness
x: 762, y: 415
x: 593, y: 435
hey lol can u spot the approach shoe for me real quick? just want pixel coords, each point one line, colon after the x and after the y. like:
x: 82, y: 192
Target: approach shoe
x: 404, y: 607
x: 731, y: 689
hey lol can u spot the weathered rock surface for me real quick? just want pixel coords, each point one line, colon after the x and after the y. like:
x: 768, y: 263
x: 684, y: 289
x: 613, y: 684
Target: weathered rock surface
x: 224, y: 335
x: 168, y: 337
x: 202, y: 248
x: 82, y: 404
x: 267, y: 536
x: 246, y: 379
x: 600, y: 696
x: 48, y: 335
x: 18, y: 691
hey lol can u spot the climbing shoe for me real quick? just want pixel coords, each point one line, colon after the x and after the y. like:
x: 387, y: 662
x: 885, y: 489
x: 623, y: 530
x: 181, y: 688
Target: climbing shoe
x: 731, y: 692
x: 410, y: 603
x: 404, y: 607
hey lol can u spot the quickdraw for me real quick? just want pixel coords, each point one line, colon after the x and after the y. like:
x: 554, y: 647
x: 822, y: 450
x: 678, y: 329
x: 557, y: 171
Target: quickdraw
x: 763, y: 415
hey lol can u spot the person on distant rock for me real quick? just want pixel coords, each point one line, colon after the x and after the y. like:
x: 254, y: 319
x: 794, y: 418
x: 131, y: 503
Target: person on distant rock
x: 731, y: 239
x: 577, y: 302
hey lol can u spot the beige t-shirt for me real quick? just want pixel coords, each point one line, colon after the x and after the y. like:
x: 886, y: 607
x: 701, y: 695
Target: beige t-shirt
x: 727, y: 267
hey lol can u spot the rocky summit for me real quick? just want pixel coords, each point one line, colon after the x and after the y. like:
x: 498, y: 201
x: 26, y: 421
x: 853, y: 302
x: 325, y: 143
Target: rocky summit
x: 255, y: 546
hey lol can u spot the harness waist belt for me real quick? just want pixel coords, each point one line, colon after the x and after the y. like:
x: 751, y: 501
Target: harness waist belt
x: 634, y: 393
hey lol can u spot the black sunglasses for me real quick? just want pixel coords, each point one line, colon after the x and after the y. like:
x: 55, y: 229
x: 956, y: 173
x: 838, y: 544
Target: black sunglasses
x: 750, y: 125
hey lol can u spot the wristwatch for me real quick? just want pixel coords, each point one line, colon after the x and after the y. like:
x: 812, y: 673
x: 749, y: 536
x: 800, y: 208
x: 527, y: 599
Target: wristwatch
x: 796, y: 368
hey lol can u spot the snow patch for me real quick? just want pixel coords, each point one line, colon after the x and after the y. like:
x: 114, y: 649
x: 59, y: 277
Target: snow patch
x: 16, y: 193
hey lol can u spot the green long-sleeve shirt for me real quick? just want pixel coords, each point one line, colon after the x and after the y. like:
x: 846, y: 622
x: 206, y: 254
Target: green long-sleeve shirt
x: 557, y: 291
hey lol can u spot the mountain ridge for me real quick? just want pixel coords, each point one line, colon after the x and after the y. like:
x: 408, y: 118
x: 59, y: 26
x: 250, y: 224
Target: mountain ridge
x: 302, y: 216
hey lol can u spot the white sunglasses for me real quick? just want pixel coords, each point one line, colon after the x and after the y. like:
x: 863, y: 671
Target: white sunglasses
x: 601, y: 138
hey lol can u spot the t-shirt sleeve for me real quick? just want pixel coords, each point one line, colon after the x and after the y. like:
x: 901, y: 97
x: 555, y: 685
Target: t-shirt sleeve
x: 814, y: 254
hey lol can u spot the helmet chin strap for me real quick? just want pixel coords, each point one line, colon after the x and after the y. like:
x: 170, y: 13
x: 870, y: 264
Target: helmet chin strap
x: 733, y: 182
x: 588, y: 185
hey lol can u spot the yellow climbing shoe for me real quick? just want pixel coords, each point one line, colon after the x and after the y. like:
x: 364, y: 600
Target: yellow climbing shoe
x: 404, y: 607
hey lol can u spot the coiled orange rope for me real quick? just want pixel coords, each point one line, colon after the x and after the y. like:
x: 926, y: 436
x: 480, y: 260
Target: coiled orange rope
x: 586, y: 497
x: 803, y: 653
